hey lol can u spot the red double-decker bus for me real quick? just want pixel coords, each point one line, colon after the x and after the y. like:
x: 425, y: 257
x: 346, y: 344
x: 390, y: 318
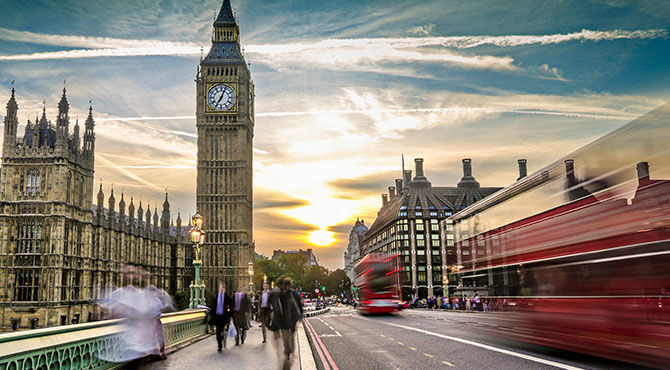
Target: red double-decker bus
x: 378, y: 283
x: 579, y: 252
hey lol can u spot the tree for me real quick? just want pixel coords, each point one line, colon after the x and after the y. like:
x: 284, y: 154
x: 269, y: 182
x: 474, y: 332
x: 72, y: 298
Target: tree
x: 294, y: 263
x: 314, y: 278
x: 267, y: 267
x: 338, y: 282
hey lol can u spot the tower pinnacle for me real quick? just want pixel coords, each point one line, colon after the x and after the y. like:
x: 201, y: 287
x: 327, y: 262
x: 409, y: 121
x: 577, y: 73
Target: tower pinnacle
x: 225, y: 17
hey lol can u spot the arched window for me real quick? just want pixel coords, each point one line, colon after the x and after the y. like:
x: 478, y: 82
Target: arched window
x: 33, y: 182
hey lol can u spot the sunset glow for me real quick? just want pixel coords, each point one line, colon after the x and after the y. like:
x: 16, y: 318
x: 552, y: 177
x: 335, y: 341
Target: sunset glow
x: 322, y: 238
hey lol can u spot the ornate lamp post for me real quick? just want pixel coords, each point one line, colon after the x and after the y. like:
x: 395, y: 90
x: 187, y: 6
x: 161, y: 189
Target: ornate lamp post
x: 250, y: 271
x: 198, y: 238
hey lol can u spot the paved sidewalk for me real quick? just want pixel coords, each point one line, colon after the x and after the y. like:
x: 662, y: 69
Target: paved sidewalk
x: 253, y: 354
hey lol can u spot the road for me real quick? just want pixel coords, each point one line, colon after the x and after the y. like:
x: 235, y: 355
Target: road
x: 422, y: 339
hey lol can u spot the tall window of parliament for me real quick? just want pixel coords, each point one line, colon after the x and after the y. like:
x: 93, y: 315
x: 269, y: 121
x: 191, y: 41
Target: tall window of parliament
x: 30, y: 237
x: 27, y: 284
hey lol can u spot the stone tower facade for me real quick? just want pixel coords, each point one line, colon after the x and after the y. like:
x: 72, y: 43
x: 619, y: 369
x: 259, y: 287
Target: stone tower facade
x: 225, y: 124
x: 59, y: 252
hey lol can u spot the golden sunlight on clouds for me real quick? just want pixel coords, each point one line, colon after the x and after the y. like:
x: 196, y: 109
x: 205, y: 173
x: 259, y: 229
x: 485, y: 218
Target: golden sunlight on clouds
x: 322, y: 238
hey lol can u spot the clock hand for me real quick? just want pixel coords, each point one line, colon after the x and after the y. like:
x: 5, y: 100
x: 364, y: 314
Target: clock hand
x: 219, y: 101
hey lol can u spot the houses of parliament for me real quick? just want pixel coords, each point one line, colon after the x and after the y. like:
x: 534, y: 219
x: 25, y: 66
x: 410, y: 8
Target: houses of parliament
x: 61, y: 252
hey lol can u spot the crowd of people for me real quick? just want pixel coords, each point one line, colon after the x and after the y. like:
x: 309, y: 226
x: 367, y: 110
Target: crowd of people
x: 461, y: 302
x: 277, y: 310
x: 141, y: 305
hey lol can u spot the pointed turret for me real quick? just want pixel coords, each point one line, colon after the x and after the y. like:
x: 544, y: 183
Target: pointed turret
x: 140, y: 215
x: 11, y: 123
x: 147, y: 217
x: 76, y: 143
x: 41, y: 131
x: 225, y: 38
x: 226, y: 16
x: 165, y: 216
x: 131, y: 214
x: 112, y: 212
x: 122, y: 213
x: 63, y: 122
x: 178, y: 227
x: 155, y: 218
x: 89, y: 138
x: 101, y: 203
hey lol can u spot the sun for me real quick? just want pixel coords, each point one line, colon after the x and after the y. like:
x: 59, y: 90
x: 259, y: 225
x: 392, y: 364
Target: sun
x: 321, y: 238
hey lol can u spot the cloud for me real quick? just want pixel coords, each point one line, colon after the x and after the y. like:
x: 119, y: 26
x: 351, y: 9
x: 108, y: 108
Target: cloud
x: 354, y: 188
x: 363, y: 54
x: 264, y: 199
x: 425, y: 29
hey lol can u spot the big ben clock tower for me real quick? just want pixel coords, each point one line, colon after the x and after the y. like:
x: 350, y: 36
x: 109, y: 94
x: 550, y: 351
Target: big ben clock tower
x: 225, y: 123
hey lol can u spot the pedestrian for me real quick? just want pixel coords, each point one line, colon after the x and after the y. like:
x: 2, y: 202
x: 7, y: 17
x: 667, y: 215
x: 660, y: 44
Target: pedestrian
x: 264, y: 309
x: 286, y: 312
x: 242, y: 306
x: 252, y: 308
x: 220, y: 314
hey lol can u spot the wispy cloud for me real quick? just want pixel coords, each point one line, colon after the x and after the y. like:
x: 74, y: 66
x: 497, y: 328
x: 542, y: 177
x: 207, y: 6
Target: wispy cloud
x: 483, y: 110
x: 425, y: 29
x: 360, y: 53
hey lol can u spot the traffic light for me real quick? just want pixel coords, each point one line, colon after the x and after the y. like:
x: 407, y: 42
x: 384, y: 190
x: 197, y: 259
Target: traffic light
x: 323, y: 288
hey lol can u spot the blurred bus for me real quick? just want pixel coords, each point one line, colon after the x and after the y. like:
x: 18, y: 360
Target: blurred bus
x: 377, y: 282
x: 579, y: 251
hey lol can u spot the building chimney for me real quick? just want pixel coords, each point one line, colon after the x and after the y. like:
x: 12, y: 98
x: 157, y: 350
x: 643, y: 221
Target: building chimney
x: 467, y: 181
x: 385, y: 200
x: 406, y: 181
x: 642, y: 171
x: 467, y: 167
x: 391, y: 193
x: 420, y: 180
x: 398, y: 186
x: 569, y: 167
x: 523, y: 171
x: 418, y: 163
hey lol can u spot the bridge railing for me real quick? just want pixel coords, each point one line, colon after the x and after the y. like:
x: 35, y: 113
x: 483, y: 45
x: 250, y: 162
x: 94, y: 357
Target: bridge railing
x: 82, y: 346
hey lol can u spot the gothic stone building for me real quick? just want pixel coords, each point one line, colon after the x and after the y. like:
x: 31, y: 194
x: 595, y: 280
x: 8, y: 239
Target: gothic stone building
x: 408, y: 224
x: 353, y: 252
x: 225, y: 125
x: 59, y: 254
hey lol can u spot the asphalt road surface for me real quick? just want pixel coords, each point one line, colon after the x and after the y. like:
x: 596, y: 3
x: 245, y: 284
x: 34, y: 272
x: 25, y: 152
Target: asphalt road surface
x: 422, y: 339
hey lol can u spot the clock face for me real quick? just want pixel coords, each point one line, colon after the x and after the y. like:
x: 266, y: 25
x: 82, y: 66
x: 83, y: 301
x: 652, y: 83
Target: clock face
x: 221, y: 97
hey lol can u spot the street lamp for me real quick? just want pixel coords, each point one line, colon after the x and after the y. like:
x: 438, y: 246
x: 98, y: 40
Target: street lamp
x: 197, y: 238
x: 250, y: 271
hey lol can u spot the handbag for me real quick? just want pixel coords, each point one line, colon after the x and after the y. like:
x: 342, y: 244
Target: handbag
x: 232, y: 332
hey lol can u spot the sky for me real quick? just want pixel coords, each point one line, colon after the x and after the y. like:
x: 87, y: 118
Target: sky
x: 343, y: 89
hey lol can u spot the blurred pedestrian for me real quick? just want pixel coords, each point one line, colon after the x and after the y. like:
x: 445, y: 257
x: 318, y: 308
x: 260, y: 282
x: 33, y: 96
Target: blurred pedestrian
x: 220, y: 313
x: 241, y: 315
x: 161, y: 302
x: 264, y: 309
x: 286, y: 312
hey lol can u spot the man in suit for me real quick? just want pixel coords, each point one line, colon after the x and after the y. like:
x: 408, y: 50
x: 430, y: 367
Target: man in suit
x: 221, y: 311
x: 286, y: 312
x: 264, y: 309
x: 241, y: 309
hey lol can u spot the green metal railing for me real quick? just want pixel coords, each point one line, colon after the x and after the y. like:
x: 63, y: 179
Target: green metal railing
x: 81, y: 346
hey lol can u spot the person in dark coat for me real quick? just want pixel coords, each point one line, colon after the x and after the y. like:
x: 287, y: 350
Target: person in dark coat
x: 264, y: 309
x: 241, y: 310
x: 221, y: 310
x: 286, y: 312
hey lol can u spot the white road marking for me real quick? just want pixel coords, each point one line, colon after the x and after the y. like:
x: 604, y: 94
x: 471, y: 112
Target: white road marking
x: 448, y: 363
x: 486, y: 346
x: 412, y: 348
x: 337, y: 334
x: 427, y: 355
